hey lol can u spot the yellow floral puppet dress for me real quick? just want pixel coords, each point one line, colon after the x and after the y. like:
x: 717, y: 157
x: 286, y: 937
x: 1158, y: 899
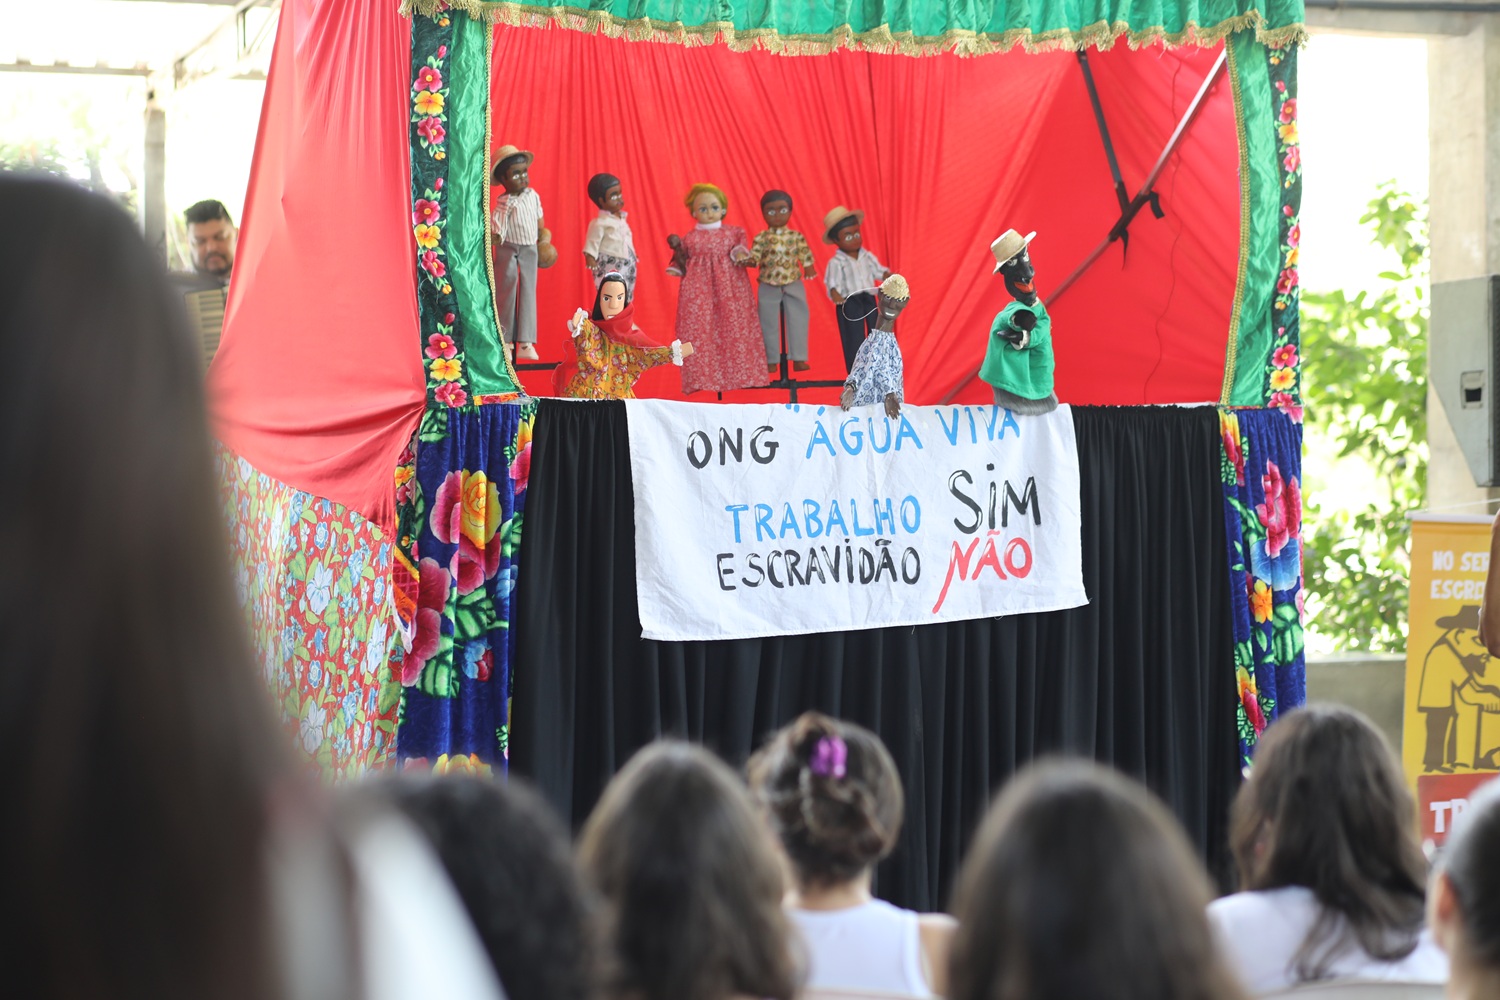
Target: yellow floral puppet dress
x: 606, y: 355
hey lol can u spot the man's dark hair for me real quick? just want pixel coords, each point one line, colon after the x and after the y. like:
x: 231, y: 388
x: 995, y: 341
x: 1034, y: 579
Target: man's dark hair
x: 507, y: 855
x: 775, y: 195
x: 206, y: 211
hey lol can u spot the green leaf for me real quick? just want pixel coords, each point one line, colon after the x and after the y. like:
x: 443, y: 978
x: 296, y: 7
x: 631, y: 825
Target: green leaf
x: 298, y: 567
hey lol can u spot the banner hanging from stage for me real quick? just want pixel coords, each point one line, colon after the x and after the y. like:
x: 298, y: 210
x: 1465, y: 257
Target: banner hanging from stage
x: 779, y: 519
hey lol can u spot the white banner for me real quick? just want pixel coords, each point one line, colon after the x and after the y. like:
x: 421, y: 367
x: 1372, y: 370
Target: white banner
x: 779, y: 519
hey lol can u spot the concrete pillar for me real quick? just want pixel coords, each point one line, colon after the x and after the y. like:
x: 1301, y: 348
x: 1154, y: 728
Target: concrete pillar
x: 154, y: 192
x: 1463, y: 87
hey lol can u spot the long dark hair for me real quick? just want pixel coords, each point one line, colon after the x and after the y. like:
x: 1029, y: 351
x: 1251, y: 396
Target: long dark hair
x: 1080, y: 885
x: 1326, y: 808
x: 691, y: 885
x: 132, y: 723
x: 834, y: 823
x: 613, y: 276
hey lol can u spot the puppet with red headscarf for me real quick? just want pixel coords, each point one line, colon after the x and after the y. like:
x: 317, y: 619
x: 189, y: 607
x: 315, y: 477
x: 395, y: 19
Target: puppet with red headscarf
x: 607, y: 353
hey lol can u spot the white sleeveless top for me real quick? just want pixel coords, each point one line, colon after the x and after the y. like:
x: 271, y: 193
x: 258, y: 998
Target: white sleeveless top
x: 873, y: 946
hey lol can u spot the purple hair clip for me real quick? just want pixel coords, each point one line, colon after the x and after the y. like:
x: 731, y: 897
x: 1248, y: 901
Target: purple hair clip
x: 830, y: 758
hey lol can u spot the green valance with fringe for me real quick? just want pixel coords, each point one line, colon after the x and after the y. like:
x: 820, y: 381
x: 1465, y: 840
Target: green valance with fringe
x: 914, y: 26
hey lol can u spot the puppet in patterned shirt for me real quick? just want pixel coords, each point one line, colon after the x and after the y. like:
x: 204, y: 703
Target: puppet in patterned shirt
x: 609, y: 247
x: 785, y: 261
x: 876, y: 375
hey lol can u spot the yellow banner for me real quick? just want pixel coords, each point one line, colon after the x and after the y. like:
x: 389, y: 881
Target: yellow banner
x: 1451, y: 732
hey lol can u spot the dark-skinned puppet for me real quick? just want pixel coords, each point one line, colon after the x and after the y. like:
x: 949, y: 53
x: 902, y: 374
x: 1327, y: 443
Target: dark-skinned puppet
x: 784, y: 260
x: 715, y: 303
x: 608, y: 352
x: 1018, y: 361
x: 522, y: 244
x: 609, y: 248
x: 850, y: 274
x: 876, y: 375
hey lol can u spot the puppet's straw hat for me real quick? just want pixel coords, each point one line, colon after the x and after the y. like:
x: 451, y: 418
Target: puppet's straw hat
x: 504, y: 153
x: 895, y: 287
x: 832, y: 219
x: 1008, y: 245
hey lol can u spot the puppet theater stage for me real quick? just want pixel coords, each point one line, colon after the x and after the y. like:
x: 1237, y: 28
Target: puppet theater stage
x: 396, y: 629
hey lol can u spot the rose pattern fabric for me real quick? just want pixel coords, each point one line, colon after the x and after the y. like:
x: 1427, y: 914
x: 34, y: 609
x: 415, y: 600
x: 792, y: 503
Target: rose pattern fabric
x: 1282, y: 387
x: 313, y: 579
x: 1261, y: 465
x: 465, y: 526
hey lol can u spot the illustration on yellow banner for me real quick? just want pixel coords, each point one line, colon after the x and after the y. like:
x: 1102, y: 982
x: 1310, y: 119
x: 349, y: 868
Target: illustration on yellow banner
x: 1451, y: 729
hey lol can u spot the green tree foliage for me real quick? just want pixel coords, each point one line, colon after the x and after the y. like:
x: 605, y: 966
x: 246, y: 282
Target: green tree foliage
x: 1365, y: 388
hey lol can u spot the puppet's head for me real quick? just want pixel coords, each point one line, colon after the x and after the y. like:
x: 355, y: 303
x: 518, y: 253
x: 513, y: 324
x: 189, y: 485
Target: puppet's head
x: 604, y: 191
x: 841, y: 228
x: 512, y: 169
x: 776, y: 208
x: 707, y: 202
x: 1013, y: 262
x: 894, y: 295
x: 609, y: 301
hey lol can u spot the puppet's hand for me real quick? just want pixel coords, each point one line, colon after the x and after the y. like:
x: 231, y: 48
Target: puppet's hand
x: 590, y: 260
x: 892, y: 405
x: 687, y: 350
x: 846, y: 398
x: 575, y: 325
x: 838, y: 299
x: 674, y: 241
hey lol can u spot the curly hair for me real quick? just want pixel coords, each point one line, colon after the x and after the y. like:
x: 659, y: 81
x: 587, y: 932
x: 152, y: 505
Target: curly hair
x: 507, y: 855
x: 832, y: 825
x: 691, y: 884
x: 713, y: 189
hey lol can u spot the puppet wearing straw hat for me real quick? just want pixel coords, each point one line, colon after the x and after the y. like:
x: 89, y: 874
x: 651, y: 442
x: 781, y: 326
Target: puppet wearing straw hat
x: 876, y: 374
x: 522, y: 244
x: 1018, y: 361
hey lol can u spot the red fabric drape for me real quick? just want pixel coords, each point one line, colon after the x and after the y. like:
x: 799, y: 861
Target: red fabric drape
x: 318, y: 380
x: 943, y: 152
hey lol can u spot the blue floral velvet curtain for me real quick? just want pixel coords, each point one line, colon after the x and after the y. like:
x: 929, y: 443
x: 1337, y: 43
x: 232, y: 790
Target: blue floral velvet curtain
x: 1262, y: 476
x: 468, y: 491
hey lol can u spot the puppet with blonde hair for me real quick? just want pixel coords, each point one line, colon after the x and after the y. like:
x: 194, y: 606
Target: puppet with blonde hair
x: 716, y: 307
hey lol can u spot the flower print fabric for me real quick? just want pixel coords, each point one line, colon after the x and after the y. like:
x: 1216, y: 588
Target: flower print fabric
x: 717, y: 314
x: 609, y: 370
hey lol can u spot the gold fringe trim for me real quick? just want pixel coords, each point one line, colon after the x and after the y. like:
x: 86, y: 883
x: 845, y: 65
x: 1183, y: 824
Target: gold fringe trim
x: 1101, y: 35
x: 1236, y: 315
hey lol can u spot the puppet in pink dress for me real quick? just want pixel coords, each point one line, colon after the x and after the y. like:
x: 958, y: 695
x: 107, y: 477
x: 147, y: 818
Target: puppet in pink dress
x: 716, y: 310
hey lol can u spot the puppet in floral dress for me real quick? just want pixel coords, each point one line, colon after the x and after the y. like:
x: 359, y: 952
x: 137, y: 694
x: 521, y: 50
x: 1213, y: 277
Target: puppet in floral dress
x: 1018, y: 361
x: 607, y: 354
x: 716, y: 308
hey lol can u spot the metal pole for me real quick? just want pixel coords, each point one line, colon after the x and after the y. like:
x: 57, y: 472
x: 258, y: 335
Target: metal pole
x: 154, y: 193
x: 1136, y: 203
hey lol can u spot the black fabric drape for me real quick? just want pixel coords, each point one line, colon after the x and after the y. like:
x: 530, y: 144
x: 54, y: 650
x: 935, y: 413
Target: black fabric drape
x: 1140, y: 678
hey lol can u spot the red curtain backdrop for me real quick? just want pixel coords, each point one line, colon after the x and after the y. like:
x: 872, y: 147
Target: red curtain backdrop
x: 942, y: 152
x: 318, y: 380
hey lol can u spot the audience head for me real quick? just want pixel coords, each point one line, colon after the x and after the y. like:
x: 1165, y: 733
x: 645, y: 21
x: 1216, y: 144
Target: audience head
x: 1465, y: 904
x: 1080, y: 885
x: 137, y: 737
x: 833, y: 796
x: 508, y: 856
x: 1326, y: 807
x: 691, y: 884
x: 211, y: 238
